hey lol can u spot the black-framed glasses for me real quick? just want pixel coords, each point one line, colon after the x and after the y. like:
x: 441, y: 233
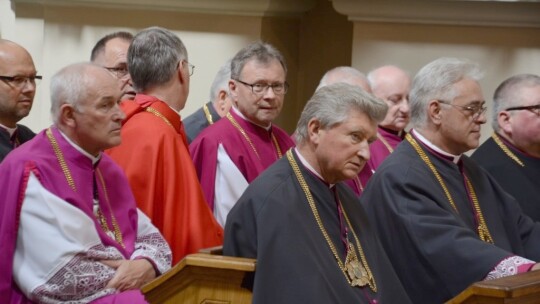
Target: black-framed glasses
x: 20, y: 81
x: 279, y: 88
x: 475, y: 109
x: 535, y: 109
x: 118, y: 72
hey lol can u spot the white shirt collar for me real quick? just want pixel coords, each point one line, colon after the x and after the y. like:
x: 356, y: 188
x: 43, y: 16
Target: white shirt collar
x: 425, y: 141
x: 10, y: 130
x: 244, y: 118
x: 74, y: 145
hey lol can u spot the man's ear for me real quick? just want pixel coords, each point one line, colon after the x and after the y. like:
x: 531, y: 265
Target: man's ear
x: 233, y: 92
x: 67, y: 115
x: 504, y: 119
x: 180, y: 72
x: 434, y: 112
x: 314, y: 130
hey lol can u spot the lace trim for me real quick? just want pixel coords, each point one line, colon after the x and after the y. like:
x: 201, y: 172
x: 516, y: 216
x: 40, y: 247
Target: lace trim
x: 153, y: 246
x: 507, y: 267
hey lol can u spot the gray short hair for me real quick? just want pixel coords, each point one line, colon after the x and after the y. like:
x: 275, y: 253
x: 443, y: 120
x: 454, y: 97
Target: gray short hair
x: 153, y: 57
x: 70, y: 86
x: 331, y: 105
x: 346, y: 74
x: 260, y: 51
x: 436, y: 81
x: 221, y: 80
x: 508, y: 94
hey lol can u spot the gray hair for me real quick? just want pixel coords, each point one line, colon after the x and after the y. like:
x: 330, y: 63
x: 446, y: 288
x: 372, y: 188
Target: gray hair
x: 221, y: 80
x: 331, y: 105
x: 260, y: 51
x: 70, y: 85
x: 435, y: 81
x: 508, y: 94
x: 153, y: 57
x: 347, y: 75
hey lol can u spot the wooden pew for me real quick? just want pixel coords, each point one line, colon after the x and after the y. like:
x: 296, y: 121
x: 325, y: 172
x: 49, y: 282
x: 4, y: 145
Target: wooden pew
x: 203, y: 278
x: 522, y: 288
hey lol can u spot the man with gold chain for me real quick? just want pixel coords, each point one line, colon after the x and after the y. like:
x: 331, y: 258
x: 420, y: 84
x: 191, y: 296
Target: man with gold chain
x: 311, y: 237
x: 231, y: 153
x: 444, y: 221
x: 154, y: 152
x: 218, y: 106
x: 512, y: 154
x: 71, y: 231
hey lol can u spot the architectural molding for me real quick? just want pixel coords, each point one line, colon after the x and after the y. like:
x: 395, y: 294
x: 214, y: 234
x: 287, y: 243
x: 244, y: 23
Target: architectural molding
x: 223, y: 7
x: 517, y: 13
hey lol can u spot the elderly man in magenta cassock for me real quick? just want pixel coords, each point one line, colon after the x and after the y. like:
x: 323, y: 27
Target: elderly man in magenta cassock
x: 444, y: 221
x: 231, y: 153
x: 310, y: 235
x: 70, y: 229
x: 512, y: 154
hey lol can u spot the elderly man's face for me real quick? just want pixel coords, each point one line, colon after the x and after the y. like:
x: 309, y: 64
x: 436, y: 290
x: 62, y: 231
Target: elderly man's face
x: 114, y: 59
x: 462, y: 118
x: 394, y: 89
x: 343, y: 149
x: 261, y: 108
x: 99, y: 117
x: 15, y: 98
x: 525, y: 124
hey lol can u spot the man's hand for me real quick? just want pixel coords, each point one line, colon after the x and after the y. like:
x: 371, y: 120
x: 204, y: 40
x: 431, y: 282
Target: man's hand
x: 130, y: 274
x: 536, y: 266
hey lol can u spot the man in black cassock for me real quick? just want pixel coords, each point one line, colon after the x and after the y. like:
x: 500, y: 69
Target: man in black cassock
x: 512, y: 154
x: 311, y: 237
x: 444, y: 221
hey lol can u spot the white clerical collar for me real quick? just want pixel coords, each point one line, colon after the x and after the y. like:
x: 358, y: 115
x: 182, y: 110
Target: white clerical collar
x: 237, y: 112
x: 309, y: 167
x: 94, y: 159
x: 425, y: 141
x: 10, y: 130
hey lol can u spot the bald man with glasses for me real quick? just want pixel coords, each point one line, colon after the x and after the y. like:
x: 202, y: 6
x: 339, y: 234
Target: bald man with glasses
x: 232, y: 152
x: 512, y: 153
x: 18, y: 81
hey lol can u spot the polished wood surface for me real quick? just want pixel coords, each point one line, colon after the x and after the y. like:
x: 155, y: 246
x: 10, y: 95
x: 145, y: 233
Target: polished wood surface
x: 522, y: 288
x: 202, y: 278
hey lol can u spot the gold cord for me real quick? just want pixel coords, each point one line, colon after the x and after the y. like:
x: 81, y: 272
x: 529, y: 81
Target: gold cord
x: 507, y: 151
x: 385, y: 142
x: 67, y: 173
x: 156, y: 112
x: 482, y: 228
x: 207, y: 114
x: 241, y: 130
x: 351, y: 266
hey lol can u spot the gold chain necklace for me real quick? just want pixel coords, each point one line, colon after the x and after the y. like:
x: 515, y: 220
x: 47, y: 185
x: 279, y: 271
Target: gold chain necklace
x: 156, y: 112
x: 386, y: 144
x: 507, y: 151
x: 67, y: 173
x: 207, y: 114
x: 483, y: 231
x: 357, y: 273
x: 241, y: 130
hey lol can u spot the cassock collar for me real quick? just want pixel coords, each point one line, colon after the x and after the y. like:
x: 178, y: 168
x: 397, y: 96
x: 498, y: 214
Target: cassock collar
x: 454, y: 158
x: 511, y: 146
x: 9, y: 130
x: 237, y: 112
x: 394, y: 132
x: 94, y: 160
x: 310, y: 168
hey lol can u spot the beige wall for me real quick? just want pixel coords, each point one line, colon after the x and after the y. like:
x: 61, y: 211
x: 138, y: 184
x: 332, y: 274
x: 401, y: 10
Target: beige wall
x: 501, y: 51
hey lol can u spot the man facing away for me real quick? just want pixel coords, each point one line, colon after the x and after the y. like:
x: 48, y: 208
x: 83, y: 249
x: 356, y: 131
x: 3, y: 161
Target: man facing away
x: 18, y: 80
x: 512, y: 154
x: 218, y: 106
x: 110, y: 52
x: 392, y: 85
x: 70, y: 227
x: 444, y: 222
x: 231, y: 153
x: 312, y: 239
x: 154, y: 152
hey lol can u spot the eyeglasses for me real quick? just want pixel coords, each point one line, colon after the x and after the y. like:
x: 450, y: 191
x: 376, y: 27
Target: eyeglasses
x: 535, y: 109
x: 476, y: 109
x: 260, y: 88
x: 118, y: 72
x: 20, y: 81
